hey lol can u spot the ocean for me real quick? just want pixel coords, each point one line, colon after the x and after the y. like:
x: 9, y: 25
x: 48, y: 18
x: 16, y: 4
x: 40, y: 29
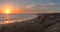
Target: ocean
x: 11, y: 18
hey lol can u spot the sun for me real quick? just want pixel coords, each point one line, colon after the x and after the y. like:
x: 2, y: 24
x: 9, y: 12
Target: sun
x: 7, y: 11
x: 11, y: 9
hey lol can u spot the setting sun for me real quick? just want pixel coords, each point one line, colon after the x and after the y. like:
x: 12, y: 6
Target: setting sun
x: 7, y: 11
x: 10, y: 9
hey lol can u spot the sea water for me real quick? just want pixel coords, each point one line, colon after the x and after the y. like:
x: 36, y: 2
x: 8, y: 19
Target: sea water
x: 11, y: 18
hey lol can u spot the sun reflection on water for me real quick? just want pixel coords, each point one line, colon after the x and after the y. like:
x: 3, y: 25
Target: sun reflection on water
x: 7, y: 20
x: 12, y: 18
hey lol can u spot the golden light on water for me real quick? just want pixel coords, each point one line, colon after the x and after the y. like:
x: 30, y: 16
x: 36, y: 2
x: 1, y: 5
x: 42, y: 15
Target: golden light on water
x: 8, y: 9
x: 7, y: 22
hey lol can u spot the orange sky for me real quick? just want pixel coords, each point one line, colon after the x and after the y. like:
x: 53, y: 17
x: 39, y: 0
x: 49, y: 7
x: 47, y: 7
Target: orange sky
x: 12, y: 9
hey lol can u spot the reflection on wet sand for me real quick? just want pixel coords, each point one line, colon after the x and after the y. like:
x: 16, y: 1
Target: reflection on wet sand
x: 6, y: 20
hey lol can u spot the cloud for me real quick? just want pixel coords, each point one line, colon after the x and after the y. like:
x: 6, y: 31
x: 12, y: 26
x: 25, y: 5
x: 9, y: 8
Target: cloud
x: 37, y: 6
x: 40, y: 5
x: 52, y: 4
x: 47, y: 5
x: 40, y: 8
x: 29, y: 6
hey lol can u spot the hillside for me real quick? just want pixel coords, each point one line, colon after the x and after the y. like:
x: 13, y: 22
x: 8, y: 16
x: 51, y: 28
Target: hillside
x: 43, y: 23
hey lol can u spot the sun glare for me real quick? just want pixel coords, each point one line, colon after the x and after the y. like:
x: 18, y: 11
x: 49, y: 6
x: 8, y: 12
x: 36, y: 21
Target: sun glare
x: 10, y: 9
x: 7, y: 11
x: 7, y: 21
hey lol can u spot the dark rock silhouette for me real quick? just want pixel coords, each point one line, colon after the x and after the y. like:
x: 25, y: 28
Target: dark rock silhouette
x: 49, y: 22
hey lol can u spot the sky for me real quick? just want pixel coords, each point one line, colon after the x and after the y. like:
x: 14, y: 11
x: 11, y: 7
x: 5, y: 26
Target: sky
x: 34, y: 6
